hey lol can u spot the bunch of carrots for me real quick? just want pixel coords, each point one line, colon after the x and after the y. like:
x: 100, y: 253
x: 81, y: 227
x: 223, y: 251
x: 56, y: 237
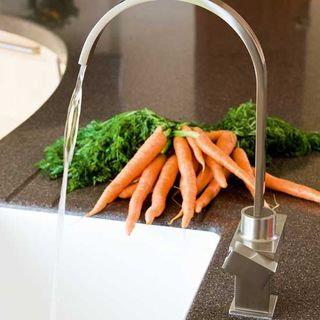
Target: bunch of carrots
x: 203, y: 160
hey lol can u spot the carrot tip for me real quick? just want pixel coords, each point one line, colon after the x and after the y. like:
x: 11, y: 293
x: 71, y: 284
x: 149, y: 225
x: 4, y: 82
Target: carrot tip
x: 170, y: 222
x: 129, y: 228
x: 198, y: 209
x: 90, y: 214
x: 184, y: 225
x: 185, y: 222
x: 224, y: 185
x: 149, y: 219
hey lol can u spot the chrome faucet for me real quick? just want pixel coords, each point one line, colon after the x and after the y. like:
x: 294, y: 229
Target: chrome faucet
x: 252, y: 259
x: 252, y: 255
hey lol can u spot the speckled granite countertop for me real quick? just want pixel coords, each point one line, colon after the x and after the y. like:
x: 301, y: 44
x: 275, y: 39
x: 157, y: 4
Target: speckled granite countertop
x: 185, y: 63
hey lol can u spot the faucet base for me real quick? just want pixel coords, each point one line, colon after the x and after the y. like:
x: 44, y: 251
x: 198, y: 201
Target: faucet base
x: 240, y: 312
x: 267, y: 248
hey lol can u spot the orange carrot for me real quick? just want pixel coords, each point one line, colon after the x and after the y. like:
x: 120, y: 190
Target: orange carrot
x: 145, y: 185
x: 209, y: 148
x: 226, y: 142
x: 203, y: 178
x: 128, y: 191
x: 189, y: 181
x: 215, y: 135
x: 241, y: 158
x: 146, y: 153
x: 292, y: 188
x: 195, y: 165
x: 217, y: 172
x: 196, y: 150
x: 209, y: 193
x: 165, y: 181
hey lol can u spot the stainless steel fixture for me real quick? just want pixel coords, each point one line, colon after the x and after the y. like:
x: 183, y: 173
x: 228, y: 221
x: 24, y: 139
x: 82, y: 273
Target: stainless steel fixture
x: 252, y: 259
x: 252, y: 256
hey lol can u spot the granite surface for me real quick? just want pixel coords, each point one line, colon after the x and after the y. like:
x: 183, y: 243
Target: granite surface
x: 185, y: 63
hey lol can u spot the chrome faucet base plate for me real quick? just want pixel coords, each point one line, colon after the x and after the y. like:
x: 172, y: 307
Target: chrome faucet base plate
x: 239, y: 312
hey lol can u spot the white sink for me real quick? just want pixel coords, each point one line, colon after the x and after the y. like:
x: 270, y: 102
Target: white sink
x: 32, y: 63
x: 103, y: 274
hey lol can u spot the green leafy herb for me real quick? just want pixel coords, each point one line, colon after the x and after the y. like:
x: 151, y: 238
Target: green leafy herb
x: 282, y: 139
x: 104, y: 148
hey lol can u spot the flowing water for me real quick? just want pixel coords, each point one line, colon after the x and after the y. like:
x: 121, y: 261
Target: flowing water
x: 70, y: 137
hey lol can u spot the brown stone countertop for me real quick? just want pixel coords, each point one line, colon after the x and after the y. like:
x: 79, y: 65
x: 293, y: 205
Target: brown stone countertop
x: 183, y: 62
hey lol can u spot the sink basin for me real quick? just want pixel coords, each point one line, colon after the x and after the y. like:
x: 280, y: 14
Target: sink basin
x: 103, y: 274
x: 32, y: 63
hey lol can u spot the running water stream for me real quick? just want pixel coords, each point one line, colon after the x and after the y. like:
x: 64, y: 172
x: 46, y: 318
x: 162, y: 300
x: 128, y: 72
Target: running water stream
x: 70, y: 137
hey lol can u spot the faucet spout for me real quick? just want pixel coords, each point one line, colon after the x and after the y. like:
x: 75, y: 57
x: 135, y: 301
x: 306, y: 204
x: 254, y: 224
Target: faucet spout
x: 251, y: 42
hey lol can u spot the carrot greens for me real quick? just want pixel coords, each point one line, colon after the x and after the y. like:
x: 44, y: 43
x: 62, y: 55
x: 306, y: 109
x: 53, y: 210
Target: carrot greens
x: 104, y: 148
x: 282, y: 139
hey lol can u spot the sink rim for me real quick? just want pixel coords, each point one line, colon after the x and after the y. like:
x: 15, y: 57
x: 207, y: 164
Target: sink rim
x: 35, y: 32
